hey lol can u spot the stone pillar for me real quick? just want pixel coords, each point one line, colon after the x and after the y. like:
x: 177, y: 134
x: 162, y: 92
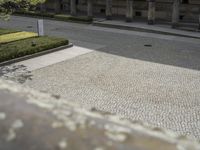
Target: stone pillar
x: 73, y: 7
x: 90, y: 8
x: 151, y: 11
x: 129, y: 10
x: 57, y: 6
x: 109, y: 9
x: 175, y: 13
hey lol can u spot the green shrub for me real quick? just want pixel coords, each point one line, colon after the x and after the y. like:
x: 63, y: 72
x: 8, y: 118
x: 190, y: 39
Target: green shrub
x: 35, y: 14
x: 73, y: 18
x: 29, y: 46
x: 81, y: 18
x: 61, y: 17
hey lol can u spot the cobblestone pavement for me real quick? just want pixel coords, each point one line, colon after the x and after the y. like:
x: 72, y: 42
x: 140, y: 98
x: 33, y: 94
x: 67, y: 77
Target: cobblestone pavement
x: 148, y: 77
x: 160, y: 95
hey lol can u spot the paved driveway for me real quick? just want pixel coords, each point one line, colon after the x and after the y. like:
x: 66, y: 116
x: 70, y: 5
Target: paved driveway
x: 141, y: 76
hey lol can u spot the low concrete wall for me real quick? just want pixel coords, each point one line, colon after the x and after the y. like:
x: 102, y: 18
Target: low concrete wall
x: 30, y: 120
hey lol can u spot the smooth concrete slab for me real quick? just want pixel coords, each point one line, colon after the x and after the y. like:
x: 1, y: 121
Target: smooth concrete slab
x: 53, y: 58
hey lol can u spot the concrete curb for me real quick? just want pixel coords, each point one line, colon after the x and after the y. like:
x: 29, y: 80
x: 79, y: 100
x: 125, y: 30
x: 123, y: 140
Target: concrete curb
x: 35, y: 55
x: 142, y: 30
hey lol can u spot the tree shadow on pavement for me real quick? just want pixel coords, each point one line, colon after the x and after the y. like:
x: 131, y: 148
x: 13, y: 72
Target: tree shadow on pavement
x: 16, y: 73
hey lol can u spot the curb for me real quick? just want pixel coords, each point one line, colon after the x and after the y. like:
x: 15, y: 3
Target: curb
x: 141, y: 30
x: 35, y: 55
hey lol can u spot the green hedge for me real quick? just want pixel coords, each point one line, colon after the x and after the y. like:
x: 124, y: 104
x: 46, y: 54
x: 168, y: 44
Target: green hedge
x: 35, y: 14
x: 73, y: 18
x: 29, y: 46
x: 61, y: 17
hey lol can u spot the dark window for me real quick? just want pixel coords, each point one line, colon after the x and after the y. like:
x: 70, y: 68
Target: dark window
x: 138, y: 13
x: 102, y: 10
x: 181, y: 17
x: 185, y: 1
x: 62, y: 7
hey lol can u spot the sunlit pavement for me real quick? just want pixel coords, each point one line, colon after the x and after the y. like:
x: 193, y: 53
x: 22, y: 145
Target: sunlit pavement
x: 142, y: 76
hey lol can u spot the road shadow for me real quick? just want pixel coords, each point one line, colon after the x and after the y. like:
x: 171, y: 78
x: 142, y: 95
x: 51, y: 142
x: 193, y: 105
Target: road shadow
x: 156, y: 48
x: 161, y: 52
x: 16, y: 73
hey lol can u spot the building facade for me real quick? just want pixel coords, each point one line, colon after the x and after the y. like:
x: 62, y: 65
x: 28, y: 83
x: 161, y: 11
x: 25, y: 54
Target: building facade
x: 175, y: 11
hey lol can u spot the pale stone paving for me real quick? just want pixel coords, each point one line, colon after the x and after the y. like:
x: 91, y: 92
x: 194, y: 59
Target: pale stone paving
x: 52, y: 58
x: 161, y: 95
x: 149, y: 77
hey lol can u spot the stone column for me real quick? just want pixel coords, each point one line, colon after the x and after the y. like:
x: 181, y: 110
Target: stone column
x: 151, y: 11
x: 73, y: 7
x: 129, y: 10
x: 109, y: 9
x: 89, y: 8
x: 175, y: 13
x: 57, y: 6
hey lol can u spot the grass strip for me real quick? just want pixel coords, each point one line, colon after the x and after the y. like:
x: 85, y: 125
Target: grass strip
x: 6, y: 38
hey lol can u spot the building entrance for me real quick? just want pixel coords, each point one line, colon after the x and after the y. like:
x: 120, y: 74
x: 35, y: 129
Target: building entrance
x: 118, y: 7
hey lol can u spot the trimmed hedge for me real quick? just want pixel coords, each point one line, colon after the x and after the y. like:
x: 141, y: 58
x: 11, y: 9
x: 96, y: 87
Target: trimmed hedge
x: 7, y: 31
x: 73, y: 18
x: 61, y: 17
x: 29, y: 46
x: 35, y: 14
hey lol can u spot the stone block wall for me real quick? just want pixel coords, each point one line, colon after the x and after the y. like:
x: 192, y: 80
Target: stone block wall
x: 188, y: 12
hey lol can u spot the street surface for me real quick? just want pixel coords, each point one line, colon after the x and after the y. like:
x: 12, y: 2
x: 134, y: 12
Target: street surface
x: 141, y: 76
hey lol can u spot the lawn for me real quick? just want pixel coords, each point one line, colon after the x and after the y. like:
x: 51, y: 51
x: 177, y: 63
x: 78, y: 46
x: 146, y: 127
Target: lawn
x: 29, y: 46
x: 6, y: 38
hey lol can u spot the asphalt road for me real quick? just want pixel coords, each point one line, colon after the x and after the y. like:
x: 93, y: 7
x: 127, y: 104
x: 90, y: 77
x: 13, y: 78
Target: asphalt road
x: 142, y: 76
